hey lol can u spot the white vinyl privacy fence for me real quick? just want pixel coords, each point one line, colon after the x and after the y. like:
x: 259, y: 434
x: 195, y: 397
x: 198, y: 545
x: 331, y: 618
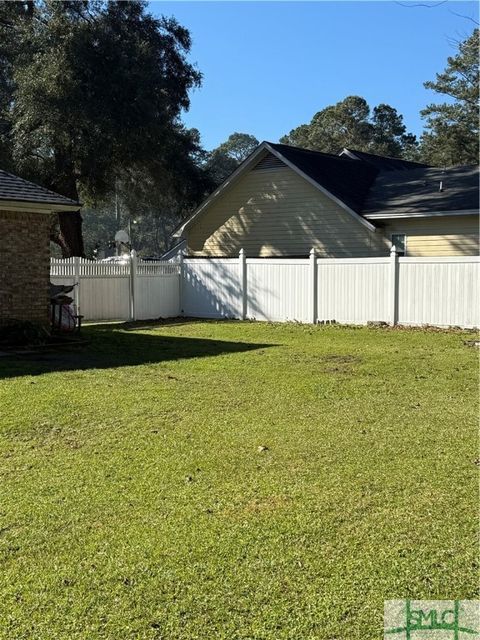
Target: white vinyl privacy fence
x: 136, y: 290
x: 412, y: 291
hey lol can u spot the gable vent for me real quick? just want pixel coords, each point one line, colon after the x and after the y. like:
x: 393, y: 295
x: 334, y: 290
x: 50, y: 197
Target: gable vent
x: 269, y: 162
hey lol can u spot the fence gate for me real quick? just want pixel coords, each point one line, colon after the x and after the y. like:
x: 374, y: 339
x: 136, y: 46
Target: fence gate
x: 134, y: 290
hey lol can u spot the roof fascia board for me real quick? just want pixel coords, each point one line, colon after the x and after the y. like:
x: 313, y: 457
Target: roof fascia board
x: 179, y: 247
x: 36, y: 207
x: 347, y: 152
x: 318, y: 186
x: 240, y: 170
x: 420, y: 214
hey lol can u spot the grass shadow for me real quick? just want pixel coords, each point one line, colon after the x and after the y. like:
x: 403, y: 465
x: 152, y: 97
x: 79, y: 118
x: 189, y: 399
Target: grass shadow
x: 115, y: 345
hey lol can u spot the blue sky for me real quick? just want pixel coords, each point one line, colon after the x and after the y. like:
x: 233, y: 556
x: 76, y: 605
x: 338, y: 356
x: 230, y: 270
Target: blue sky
x: 269, y: 66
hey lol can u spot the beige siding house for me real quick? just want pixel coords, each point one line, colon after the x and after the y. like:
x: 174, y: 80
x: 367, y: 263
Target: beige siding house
x: 283, y: 201
x: 442, y: 236
x: 276, y: 212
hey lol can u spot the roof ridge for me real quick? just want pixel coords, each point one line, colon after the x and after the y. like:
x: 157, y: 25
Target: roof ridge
x: 377, y: 155
x: 340, y: 157
x: 305, y: 150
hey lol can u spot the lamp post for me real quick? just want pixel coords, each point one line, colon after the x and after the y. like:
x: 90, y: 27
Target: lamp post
x: 131, y: 221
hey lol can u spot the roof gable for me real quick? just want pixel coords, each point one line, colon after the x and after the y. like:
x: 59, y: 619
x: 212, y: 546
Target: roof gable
x: 269, y: 161
x: 326, y: 179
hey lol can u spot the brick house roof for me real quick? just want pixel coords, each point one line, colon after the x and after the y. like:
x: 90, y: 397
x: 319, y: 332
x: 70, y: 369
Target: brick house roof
x: 13, y: 188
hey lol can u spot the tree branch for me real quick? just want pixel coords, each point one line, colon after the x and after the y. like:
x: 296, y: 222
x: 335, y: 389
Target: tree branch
x: 421, y: 4
x: 460, y: 15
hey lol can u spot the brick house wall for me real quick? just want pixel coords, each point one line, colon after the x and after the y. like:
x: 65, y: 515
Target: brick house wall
x: 24, y: 266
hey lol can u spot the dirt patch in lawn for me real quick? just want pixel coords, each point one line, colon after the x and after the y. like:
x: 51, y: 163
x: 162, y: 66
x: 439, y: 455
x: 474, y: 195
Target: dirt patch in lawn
x: 328, y: 363
x: 257, y: 507
x: 341, y: 359
x: 339, y: 364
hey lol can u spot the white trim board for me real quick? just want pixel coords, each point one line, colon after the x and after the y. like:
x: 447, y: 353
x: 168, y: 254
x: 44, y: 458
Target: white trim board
x: 35, y: 207
x: 420, y: 214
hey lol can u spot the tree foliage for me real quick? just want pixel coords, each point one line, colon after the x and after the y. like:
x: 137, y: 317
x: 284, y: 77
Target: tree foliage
x: 224, y: 159
x: 151, y: 204
x: 351, y: 123
x: 157, y: 202
x: 92, y: 90
x: 238, y: 146
x: 452, y: 126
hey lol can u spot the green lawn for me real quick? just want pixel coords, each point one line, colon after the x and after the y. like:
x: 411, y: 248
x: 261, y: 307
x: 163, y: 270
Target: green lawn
x: 209, y: 480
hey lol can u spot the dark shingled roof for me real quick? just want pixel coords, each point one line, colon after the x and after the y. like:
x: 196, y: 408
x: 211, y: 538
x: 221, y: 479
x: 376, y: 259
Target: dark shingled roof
x: 348, y: 180
x: 369, y: 184
x: 418, y: 190
x: 382, y: 163
x: 15, y: 188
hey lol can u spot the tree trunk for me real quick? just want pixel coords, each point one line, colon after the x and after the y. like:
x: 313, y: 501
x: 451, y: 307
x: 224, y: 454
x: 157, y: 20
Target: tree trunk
x: 70, y: 237
x: 69, y: 233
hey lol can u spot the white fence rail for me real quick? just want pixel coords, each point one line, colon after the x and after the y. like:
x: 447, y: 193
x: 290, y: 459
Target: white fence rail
x: 413, y: 291
x: 136, y: 290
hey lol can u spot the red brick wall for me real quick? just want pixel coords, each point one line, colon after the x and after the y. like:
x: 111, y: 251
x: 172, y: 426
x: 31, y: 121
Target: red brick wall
x: 24, y: 266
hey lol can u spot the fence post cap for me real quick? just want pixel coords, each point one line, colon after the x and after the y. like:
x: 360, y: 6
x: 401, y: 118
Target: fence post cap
x: 312, y: 251
x: 241, y: 252
x: 133, y: 253
x: 393, y: 250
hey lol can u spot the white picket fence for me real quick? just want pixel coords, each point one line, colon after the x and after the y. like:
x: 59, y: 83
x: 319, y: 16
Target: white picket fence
x: 411, y: 291
x: 136, y: 290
